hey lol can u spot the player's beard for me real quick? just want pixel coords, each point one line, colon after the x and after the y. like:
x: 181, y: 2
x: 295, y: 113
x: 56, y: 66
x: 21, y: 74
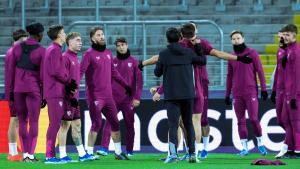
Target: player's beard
x: 239, y: 48
x: 99, y: 47
x: 123, y: 56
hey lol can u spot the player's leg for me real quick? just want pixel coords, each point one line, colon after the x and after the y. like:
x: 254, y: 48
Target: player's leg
x: 240, y: 112
x: 128, y: 114
x: 105, y: 140
x: 204, y: 122
x: 12, y: 134
x: 252, y: 107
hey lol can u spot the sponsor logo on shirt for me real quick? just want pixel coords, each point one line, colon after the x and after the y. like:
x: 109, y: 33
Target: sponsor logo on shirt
x: 253, y: 99
x: 129, y: 64
x: 96, y: 103
x: 108, y: 56
x: 115, y: 64
x: 69, y: 113
x: 73, y: 63
x: 97, y: 57
x: 60, y: 103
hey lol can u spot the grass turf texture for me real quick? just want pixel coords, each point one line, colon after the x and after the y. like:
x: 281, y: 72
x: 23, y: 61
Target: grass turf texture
x: 151, y: 161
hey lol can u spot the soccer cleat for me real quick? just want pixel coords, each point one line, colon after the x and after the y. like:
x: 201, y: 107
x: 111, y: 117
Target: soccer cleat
x: 243, y: 153
x: 203, y: 154
x: 86, y: 157
x: 95, y: 157
x: 296, y: 155
x: 121, y: 156
x: 185, y: 157
x: 15, y: 158
x: 53, y: 160
x: 27, y: 160
x: 102, y: 151
x: 129, y: 153
x: 67, y: 159
x: 262, y: 150
x: 163, y: 159
x: 34, y: 160
x: 281, y: 154
x: 193, y: 159
x: 171, y: 159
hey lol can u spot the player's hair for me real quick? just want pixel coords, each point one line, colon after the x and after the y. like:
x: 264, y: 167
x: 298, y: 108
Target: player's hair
x: 19, y: 34
x: 173, y: 35
x: 94, y: 30
x: 188, y: 30
x: 71, y: 36
x: 54, y: 30
x: 290, y: 28
x: 236, y: 32
x: 120, y: 39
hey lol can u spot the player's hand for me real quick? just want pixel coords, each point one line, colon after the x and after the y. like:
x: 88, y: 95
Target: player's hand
x: 244, y: 59
x: 227, y: 101
x: 264, y: 95
x: 293, y: 104
x: 273, y: 97
x: 43, y: 103
x: 156, y: 97
x: 284, y: 59
x: 140, y: 65
x: 135, y: 103
x: 153, y: 90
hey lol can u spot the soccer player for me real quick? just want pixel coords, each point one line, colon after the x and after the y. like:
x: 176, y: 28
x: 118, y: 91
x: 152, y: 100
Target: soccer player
x: 126, y: 64
x: 18, y: 36
x: 178, y: 60
x: 241, y: 80
x: 291, y: 102
x: 72, y: 113
x: 57, y: 84
x: 277, y: 95
x: 97, y: 64
x: 26, y: 79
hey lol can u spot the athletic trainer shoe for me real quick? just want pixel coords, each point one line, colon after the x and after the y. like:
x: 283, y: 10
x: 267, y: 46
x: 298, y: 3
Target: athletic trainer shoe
x: 243, y: 153
x: 203, y: 154
x: 27, y: 160
x: 185, y: 157
x: 193, y: 158
x: 86, y: 157
x: 53, y: 160
x: 15, y: 158
x: 262, y: 150
x: 281, y: 154
x: 171, y: 159
x: 129, y: 153
x: 67, y: 159
x: 121, y: 156
x: 102, y: 151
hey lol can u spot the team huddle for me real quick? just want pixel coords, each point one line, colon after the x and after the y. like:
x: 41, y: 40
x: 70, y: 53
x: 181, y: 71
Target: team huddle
x: 36, y: 76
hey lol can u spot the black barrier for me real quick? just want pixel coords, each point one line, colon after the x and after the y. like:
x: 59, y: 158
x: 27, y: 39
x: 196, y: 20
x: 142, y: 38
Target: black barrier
x: 220, y: 120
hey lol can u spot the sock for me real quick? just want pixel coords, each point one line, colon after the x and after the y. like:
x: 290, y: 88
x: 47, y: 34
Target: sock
x: 80, y: 150
x: 25, y: 155
x: 172, y: 149
x: 13, y: 149
x: 62, y: 151
x: 205, y: 143
x: 244, y: 144
x: 118, y: 149
x: 197, y: 148
x: 31, y: 156
x: 90, y: 150
x: 297, y: 152
x: 259, y: 141
x: 284, y: 147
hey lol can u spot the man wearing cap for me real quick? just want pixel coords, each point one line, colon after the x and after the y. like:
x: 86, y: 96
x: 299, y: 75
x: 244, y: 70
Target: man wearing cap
x: 18, y: 36
x: 127, y: 66
x: 57, y: 84
x: 26, y: 78
x: 241, y: 80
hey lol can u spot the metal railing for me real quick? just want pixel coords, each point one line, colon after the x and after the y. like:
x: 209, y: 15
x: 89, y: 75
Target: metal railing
x: 144, y: 30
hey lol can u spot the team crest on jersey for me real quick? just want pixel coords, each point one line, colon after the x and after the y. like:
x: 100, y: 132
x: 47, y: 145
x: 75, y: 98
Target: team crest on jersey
x: 129, y: 64
x: 96, y: 103
x: 115, y: 64
x: 69, y: 113
x: 108, y: 56
x: 73, y: 63
x: 97, y: 57
x: 60, y: 103
x: 253, y: 99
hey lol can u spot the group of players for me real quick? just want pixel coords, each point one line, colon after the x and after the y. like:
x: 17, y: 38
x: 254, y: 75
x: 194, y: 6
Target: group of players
x: 36, y: 76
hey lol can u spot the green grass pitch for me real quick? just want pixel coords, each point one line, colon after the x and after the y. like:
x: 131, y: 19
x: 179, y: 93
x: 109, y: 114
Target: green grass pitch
x: 151, y: 161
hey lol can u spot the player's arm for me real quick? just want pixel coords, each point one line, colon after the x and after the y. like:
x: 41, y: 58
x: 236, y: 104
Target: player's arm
x: 229, y: 83
x: 158, y: 71
x: 228, y: 56
x: 147, y: 62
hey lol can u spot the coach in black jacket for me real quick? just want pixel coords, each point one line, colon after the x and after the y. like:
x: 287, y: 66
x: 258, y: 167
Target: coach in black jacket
x: 175, y: 63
